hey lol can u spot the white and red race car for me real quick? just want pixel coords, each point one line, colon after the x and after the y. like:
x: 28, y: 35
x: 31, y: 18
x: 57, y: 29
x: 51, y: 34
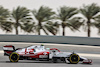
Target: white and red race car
x: 39, y: 52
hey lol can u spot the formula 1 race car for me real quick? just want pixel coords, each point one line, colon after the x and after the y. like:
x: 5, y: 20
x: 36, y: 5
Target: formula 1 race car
x: 39, y: 52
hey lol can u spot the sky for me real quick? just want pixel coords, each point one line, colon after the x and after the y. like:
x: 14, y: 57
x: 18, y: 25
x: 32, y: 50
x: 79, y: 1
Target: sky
x: 54, y: 4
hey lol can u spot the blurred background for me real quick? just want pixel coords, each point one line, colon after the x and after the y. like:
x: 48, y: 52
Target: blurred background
x: 50, y: 17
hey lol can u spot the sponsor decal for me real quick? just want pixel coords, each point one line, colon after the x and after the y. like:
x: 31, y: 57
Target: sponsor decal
x: 45, y: 53
x: 7, y: 48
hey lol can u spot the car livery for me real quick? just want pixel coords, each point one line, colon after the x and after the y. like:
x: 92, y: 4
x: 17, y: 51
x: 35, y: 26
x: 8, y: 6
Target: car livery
x: 39, y: 52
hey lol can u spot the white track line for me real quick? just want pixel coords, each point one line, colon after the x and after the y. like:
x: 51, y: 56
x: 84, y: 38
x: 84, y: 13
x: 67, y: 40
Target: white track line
x: 89, y: 55
x: 74, y: 45
x: 70, y: 45
x: 1, y: 51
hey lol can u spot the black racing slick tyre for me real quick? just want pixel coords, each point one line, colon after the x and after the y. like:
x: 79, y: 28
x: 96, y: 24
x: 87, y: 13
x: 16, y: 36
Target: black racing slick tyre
x: 14, y: 57
x: 74, y: 58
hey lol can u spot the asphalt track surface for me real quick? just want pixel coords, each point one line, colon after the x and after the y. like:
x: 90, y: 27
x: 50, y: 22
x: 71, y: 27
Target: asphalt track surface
x: 91, y: 52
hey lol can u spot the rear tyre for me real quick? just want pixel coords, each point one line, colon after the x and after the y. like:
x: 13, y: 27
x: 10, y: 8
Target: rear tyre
x: 74, y: 59
x: 14, y: 57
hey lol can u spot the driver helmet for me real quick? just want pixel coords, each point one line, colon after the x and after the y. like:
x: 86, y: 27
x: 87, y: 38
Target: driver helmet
x: 42, y: 45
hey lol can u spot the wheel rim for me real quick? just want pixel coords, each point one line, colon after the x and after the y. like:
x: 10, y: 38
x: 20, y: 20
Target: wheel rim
x: 74, y: 58
x: 14, y: 57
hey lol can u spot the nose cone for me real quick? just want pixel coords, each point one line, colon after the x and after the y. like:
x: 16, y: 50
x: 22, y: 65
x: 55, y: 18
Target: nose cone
x: 88, y: 61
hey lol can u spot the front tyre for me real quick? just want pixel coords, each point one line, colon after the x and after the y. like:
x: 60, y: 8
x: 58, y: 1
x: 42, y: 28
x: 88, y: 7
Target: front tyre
x: 14, y: 57
x: 74, y: 58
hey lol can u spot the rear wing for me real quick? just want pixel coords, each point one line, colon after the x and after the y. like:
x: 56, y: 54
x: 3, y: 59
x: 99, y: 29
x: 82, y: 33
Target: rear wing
x: 8, y: 49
